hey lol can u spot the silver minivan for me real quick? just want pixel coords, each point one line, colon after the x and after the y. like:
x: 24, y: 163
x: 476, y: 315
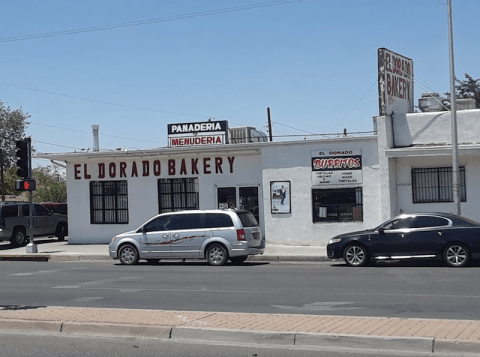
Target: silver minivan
x: 215, y: 235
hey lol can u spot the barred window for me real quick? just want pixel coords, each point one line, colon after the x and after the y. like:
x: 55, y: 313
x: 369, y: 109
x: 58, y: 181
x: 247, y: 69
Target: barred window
x: 337, y: 205
x: 177, y: 194
x: 108, y: 202
x: 435, y: 185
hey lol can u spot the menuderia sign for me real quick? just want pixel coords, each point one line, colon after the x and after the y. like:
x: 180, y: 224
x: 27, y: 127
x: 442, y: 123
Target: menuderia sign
x: 200, y: 133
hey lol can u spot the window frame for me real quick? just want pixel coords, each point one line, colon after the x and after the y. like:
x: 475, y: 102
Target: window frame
x: 120, y: 214
x: 436, y: 188
x: 185, y: 195
x: 356, y: 208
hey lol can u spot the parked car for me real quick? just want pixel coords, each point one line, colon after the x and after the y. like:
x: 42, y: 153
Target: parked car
x: 453, y: 238
x: 217, y: 235
x: 56, y: 207
x: 14, y: 222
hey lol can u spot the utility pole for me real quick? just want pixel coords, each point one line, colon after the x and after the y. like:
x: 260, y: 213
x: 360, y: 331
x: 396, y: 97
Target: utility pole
x: 269, y: 124
x: 453, y: 109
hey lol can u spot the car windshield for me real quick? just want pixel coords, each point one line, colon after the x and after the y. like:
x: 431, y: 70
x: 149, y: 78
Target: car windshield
x: 248, y: 220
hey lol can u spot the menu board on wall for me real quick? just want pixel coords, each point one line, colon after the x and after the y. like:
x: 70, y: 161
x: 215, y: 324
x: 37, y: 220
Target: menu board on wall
x: 336, y: 167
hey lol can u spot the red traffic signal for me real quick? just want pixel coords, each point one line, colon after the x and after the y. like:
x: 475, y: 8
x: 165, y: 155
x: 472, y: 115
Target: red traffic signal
x: 25, y: 185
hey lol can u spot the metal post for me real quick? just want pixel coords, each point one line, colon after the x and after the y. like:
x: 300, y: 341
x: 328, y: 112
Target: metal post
x: 31, y: 247
x: 269, y: 124
x: 453, y: 102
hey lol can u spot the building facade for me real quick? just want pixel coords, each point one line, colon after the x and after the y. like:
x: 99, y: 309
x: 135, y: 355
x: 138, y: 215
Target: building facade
x: 302, y: 192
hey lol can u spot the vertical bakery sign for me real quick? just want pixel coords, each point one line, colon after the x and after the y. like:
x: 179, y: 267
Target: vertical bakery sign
x: 336, y: 167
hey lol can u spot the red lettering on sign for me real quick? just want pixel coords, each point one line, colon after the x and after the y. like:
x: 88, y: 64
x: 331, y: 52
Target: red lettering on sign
x: 157, y: 168
x: 101, y: 170
x: 112, y: 170
x: 218, y: 165
x: 171, y: 167
x: 76, y: 169
x: 146, y: 168
x: 230, y: 161
x: 134, y: 169
x: 123, y: 169
x: 183, y: 168
x: 206, y: 165
x: 194, y: 167
x: 85, y: 173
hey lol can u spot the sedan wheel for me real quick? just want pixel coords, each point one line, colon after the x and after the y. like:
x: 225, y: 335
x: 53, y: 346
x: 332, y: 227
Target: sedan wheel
x: 128, y: 255
x: 355, y: 256
x: 456, y: 255
x: 217, y: 254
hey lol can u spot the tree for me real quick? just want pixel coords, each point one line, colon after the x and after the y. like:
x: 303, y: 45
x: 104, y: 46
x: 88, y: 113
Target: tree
x: 51, y: 185
x: 12, y: 128
x: 469, y: 88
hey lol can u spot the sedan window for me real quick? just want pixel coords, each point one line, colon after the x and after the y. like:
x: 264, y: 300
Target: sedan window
x: 399, y: 223
x: 429, y: 221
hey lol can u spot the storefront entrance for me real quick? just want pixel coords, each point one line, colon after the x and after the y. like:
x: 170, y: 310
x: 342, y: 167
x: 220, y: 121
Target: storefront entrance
x: 239, y: 197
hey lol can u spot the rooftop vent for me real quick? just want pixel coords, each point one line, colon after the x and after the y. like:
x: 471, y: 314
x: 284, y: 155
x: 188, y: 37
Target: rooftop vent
x: 430, y: 102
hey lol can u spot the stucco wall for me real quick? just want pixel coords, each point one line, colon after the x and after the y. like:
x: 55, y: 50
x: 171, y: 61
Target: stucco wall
x: 142, y: 190
x: 292, y: 162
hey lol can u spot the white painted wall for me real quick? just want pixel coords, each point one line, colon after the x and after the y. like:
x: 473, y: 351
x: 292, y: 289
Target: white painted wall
x: 292, y: 162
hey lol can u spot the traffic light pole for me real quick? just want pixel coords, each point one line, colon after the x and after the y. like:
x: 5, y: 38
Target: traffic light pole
x: 31, y: 247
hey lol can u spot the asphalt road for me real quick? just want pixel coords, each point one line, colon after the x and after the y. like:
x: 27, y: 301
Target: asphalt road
x: 390, y: 290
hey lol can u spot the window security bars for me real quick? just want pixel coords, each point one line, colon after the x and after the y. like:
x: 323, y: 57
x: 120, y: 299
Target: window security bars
x: 435, y: 185
x: 108, y: 202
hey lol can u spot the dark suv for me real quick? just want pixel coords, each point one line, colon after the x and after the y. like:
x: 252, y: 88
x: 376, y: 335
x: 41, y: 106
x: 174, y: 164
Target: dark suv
x: 14, y: 224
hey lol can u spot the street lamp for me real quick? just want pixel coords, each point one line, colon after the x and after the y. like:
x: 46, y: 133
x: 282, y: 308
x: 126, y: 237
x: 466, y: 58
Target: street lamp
x: 453, y: 109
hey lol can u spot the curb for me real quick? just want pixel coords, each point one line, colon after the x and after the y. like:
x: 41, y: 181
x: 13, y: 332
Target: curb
x: 303, y: 339
x: 41, y: 257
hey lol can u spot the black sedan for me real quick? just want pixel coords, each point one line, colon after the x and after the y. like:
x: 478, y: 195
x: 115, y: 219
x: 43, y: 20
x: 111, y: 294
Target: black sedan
x: 453, y: 238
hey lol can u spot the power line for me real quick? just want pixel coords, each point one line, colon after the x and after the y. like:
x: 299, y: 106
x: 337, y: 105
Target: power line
x: 101, y: 102
x: 150, y: 21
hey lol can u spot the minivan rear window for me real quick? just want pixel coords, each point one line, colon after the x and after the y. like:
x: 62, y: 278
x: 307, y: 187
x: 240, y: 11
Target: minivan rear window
x: 218, y: 220
x: 248, y: 219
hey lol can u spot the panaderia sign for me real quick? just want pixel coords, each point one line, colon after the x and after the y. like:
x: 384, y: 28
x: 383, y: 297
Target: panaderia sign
x: 201, y: 133
x: 336, y: 167
x: 154, y: 167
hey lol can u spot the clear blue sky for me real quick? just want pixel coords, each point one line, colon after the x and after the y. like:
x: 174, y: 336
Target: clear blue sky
x: 313, y: 62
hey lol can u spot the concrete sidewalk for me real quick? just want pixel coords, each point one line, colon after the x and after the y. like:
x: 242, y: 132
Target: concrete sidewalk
x: 51, y: 250
x: 367, y: 333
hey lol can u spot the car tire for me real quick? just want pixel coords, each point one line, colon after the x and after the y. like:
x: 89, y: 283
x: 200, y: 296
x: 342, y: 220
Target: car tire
x: 217, y: 254
x: 238, y: 260
x: 128, y: 255
x: 355, y: 255
x: 456, y: 255
x: 61, y: 231
x: 18, y: 237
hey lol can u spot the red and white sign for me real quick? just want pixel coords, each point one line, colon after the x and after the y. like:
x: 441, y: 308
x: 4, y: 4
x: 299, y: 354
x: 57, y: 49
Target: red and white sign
x: 336, y: 167
x: 196, y: 140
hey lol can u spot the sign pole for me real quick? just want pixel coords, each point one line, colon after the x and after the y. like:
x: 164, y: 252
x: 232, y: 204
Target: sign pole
x: 31, y: 247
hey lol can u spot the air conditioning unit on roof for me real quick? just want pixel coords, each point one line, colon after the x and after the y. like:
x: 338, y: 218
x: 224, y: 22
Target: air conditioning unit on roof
x: 246, y: 134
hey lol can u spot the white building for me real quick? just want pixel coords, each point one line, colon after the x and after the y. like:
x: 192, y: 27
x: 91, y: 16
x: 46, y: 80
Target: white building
x: 327, y: 186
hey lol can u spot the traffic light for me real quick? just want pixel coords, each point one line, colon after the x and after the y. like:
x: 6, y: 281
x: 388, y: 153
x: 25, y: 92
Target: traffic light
x: 23, y: 154
x: 25, y: 185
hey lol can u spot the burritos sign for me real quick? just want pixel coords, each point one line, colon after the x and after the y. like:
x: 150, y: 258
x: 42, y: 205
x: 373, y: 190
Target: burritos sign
x: 336, y: 167
x: 202, y: 133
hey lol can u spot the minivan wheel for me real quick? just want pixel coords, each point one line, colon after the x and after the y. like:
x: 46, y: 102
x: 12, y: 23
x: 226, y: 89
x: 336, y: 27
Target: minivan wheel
x: 18, y: 237
x: 217, y: 254
x: 238, y: 260
x: 128, y: 255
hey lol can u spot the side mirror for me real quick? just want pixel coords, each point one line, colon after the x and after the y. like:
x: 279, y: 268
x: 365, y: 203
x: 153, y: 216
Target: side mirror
x: 381, y: 230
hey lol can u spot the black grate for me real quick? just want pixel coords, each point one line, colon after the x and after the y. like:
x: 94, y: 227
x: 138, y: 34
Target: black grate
x: 108, y: 202
x: 177, y: 194
x: 436, y: 185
